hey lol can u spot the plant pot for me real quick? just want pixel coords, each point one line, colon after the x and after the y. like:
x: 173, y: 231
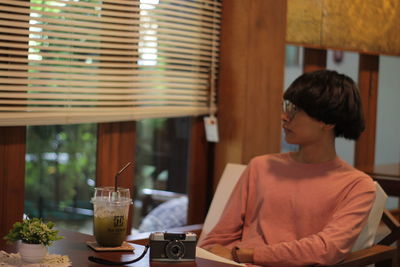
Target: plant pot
x: 32, y: 252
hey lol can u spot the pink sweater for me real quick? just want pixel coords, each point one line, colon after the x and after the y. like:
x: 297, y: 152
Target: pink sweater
x: 293, y: 213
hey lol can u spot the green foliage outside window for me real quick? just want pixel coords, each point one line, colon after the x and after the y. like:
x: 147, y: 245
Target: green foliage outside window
x: 60, y: 169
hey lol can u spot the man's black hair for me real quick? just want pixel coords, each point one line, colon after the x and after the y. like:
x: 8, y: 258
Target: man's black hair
x: 329, y: 97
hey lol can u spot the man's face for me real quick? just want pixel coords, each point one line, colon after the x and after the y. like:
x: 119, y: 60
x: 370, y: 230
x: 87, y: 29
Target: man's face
x: 300, y: 128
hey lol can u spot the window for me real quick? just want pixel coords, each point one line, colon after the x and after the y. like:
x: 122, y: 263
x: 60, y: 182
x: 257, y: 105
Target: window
x: 90, y: 61
x: 161, y: 173
x: 387, y: 144
x: 60, y: 174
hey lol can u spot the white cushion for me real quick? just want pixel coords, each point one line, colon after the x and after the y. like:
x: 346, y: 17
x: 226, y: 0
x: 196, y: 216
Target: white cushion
x: 229, y: 178
x: 367, y: 235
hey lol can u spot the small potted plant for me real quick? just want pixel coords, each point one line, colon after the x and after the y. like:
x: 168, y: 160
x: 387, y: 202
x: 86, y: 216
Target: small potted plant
x: 35, y: 236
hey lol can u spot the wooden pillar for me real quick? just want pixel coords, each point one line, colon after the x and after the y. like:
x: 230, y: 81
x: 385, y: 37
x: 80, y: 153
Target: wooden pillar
x: 368, y: 84
x: 200, y: 166
x: 314, y: 59
x: 12, y: 177
x: 250, y: 80
x: 115, y: 148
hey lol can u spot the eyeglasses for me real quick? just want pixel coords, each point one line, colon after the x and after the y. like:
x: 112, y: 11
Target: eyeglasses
x: 290, y: 109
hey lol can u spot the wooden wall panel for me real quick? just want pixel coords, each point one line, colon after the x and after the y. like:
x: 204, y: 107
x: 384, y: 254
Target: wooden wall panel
x: 115, y: 148
x: 250, y: 80
x: 368, y: 84
x: 12, y: 177
x: 200, y: 166
x: 232, y: 84
x: 314, y: 59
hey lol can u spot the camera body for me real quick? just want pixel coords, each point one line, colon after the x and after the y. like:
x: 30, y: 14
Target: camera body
x: 166, y: 246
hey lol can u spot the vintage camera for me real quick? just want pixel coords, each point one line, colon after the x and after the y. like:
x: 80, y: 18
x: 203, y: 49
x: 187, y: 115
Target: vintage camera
x: 166, y: 246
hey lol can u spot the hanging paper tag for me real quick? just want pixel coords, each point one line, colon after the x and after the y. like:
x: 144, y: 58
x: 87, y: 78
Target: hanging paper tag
x: 211, y: 126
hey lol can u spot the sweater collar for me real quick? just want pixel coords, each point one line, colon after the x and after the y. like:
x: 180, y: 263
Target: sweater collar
x: 331, y: 164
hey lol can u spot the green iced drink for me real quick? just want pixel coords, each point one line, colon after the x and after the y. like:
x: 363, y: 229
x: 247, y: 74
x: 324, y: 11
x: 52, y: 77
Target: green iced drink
x: 110, y: 231
x: 110, y: 215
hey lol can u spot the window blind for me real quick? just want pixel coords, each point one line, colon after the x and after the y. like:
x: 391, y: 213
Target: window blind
x: 111, y: 60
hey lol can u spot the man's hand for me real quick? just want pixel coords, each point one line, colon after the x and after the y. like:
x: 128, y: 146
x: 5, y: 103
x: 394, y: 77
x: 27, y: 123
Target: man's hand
x: 221, y: 251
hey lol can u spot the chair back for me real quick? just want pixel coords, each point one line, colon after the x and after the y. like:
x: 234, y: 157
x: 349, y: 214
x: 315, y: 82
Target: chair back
x: 230, y: 177
x: 367, y: 236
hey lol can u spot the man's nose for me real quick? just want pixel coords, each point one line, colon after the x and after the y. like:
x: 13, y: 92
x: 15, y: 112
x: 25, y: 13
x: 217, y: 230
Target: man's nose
x: 284, y: 117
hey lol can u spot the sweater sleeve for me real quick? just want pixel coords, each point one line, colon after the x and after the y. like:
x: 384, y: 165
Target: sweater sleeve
x: 334, y: 242
x: 228, y: 230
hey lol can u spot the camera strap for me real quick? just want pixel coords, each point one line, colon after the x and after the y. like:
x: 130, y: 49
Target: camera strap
x: 108, y: 262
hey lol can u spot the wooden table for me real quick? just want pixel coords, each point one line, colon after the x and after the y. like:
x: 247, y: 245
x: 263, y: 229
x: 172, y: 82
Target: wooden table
x: 74, y: 246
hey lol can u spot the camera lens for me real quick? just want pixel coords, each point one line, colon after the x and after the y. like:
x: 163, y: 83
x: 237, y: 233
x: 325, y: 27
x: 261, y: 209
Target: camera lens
x: 175, y: 249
